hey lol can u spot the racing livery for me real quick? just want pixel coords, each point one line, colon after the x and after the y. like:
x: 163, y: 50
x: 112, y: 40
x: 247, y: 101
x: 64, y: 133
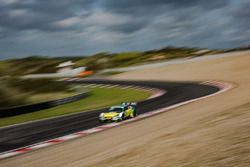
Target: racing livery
x: 118, y: 113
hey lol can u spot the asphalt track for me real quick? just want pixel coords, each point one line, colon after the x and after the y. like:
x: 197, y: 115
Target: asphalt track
x: 26, y: 134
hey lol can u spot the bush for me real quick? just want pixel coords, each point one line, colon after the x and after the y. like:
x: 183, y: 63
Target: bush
x: 10, y: 96
x: 14, y: 91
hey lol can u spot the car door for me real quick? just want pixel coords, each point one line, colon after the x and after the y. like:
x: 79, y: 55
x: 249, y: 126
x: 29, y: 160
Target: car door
x: 126, y: 112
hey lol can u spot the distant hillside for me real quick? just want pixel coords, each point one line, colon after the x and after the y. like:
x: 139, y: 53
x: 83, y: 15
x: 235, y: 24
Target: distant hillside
x: 29, y: 65
x: 40, y: 64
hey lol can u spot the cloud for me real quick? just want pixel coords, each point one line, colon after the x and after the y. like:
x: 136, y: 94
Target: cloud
x: 40, y: 15
x: 72, y: 27
x: 148, y: 6
x: 241, y: 14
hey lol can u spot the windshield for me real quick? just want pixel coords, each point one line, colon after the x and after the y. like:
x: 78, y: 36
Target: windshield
x: 115, y: 109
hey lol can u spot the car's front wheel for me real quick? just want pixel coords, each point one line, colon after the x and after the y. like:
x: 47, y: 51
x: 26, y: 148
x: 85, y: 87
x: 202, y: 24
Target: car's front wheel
x: 119, y: 120
x: 123, y: 117
x: 135, y: 113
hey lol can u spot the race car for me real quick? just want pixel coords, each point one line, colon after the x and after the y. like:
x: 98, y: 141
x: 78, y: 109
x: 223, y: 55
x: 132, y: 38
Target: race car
x: 118, y: 113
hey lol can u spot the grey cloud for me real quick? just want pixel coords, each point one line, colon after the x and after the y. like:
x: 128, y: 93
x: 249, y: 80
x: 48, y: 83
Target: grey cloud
x: 76, y: 26
x: 126, y: 6
x: 146, y: 11
x: 242, y: 14
x: 39, y: 14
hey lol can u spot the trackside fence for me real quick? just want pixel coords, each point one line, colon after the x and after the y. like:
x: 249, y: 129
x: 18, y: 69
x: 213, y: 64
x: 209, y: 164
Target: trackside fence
x: 18, y: 110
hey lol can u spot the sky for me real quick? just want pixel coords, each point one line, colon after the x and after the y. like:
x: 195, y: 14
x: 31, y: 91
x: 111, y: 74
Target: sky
x: 84, y: 27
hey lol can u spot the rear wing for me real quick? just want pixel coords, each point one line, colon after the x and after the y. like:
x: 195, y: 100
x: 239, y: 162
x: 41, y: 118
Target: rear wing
x: 128, y: 103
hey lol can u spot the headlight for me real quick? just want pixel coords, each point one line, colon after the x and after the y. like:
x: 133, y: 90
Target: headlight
x: 115, y: 118
x: 101, y: 115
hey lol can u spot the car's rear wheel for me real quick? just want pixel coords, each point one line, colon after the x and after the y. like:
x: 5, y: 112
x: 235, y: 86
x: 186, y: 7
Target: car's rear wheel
x: 135, y: 113
x: 101, y: 121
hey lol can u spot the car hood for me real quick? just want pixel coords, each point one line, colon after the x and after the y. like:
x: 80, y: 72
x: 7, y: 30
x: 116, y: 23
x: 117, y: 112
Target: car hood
x: 111, y: 114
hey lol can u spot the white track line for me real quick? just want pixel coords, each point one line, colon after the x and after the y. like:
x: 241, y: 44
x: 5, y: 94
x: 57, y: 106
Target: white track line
x: 221, y: 85
x: 112, y: 86
x: 104, y: 86
x: 94, y: 85
x: 158, y: 92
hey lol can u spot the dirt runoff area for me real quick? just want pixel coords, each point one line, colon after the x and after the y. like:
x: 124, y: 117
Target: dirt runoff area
x: 211, y: 132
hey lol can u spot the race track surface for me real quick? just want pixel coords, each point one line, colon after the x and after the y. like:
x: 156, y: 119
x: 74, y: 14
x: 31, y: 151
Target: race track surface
x: 26, y: 134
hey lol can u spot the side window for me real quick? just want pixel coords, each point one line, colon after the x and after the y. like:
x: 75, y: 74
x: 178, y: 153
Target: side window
x: 125, y: 108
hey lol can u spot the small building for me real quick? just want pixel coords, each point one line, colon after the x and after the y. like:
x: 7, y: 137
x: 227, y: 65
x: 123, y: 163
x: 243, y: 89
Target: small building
x: 65, y: 67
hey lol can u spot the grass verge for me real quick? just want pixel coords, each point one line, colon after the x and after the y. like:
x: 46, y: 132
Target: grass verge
x: 100, y: 97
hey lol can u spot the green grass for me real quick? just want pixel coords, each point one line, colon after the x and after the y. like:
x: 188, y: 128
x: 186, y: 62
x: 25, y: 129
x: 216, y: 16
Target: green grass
x: 100, y: 97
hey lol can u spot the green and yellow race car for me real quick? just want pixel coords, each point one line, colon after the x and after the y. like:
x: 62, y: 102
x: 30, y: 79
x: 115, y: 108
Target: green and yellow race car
x: 118, y: 113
